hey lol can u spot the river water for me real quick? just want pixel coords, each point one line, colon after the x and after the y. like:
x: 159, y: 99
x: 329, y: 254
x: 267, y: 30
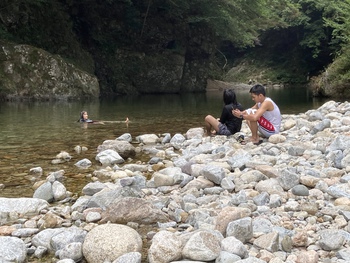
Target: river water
x: 33, y: 133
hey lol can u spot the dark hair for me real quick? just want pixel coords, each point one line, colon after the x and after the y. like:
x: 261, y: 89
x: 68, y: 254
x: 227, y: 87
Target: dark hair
x: 81, y: 116
x: 82, y: 113
x: 258, y: 89
x: 229, y: 96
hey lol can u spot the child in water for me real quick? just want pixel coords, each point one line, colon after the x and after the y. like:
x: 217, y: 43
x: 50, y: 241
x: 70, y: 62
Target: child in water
x: 84, y: 117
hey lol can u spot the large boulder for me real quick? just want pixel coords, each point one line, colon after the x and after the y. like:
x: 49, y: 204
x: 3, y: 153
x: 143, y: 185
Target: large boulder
x: 142, y: 212
x: 30, y: 72
x: 123, y: 148
x: 105, y: 243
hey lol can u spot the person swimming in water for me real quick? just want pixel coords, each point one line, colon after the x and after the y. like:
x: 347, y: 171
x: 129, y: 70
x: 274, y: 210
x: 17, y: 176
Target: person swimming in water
x: 84, y: 117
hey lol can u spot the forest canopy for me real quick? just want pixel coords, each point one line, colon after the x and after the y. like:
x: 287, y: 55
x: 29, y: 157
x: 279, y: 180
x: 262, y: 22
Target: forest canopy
x: 294, y: 38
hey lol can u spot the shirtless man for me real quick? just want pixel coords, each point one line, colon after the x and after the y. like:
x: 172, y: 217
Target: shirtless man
x: 264, y: 116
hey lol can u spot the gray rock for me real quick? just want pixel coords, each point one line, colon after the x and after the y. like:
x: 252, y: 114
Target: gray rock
x: 300, y: 190
x: 241, y: 229
x: 147, y: 139
x: 262, y: 199
x: 143, y: 212
x: 227, y: 257
x: 234, y: 246
x: 177, y: 140
x: 213, y: 173
x: 288, y: 179
x: 13, y: 249
x: 40, y: 251
x: 109, y: 157
x: 20, y: 206
x: 331, y: 239
x: 343, y: 254
x: 262, y: 225
x: 44, y: 192
x: 71, y: 251
x: 114, y: 240
x: 132, y: 257
x: 239, y: 159
x: 165, y: 247
x: 84, y: 163
x: 93, y: 188
x: 125, y: 137
x: 269, y: 241
x: 227, y: 184
x: 59, y: 191
x: 202, y: 246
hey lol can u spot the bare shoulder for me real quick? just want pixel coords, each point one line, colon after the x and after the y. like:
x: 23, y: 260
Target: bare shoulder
x: 267, y: 105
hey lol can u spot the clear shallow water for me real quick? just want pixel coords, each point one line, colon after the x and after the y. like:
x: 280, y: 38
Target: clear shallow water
x: 33, y: 133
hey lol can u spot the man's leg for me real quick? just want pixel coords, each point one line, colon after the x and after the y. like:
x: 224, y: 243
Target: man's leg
x: 211, y: 123
x: 253, y: 126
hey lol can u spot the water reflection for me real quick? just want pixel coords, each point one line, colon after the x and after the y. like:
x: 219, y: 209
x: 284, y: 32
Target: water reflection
x: 33, y: 133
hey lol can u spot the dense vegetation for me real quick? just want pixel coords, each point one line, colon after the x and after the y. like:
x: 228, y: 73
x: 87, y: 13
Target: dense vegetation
x: 291, y: 40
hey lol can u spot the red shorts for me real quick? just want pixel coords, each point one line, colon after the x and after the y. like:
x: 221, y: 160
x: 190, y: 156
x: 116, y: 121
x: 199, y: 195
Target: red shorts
x: 266, y: 127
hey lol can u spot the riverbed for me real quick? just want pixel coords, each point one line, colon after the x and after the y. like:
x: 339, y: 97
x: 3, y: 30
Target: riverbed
x: 33, y: 133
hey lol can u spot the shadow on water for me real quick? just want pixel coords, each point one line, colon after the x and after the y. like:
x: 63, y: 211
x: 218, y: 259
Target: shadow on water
x: 33, y: 133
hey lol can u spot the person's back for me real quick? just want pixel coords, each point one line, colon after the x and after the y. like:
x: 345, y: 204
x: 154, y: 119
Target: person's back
x: 228, y: 124
x: 233, y: 123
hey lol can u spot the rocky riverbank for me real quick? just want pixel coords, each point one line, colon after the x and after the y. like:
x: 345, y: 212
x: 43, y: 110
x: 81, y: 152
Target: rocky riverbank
x: 197, y: 199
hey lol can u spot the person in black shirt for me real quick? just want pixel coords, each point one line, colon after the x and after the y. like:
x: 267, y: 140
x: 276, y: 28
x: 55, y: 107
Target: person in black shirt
x: 228, y: 124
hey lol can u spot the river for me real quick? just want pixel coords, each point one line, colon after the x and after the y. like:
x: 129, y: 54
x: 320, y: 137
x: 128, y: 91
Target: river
x: 33, y: 133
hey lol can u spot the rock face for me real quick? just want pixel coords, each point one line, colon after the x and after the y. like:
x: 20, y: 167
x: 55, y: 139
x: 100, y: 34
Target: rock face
x: 110, y: 241
x: 29, y: 72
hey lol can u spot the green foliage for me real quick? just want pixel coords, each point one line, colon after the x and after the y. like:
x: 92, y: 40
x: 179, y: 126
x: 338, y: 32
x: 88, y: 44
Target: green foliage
x: 298, y: 35
x: 338, y: 18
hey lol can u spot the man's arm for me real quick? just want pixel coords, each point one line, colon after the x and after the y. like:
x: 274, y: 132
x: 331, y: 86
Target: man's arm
x: 265, y: 106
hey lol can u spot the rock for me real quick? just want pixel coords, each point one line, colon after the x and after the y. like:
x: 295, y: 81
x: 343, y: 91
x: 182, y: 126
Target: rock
x: 122, y: 147
x: 71, y: 251
x: 269, y: 241
x: 300, y: 190
x: 234, y: 246
x: 109, y: 157
x: 165, y: 247
x: 42, y: 75
x: 109, y: 241
x: 228, y: 214
x: 331, y: 239
x: 44, y: 192
x: 143, y: 212
x: 148, y: 139
x: 202, y: 246
x: 132, y: 257
x: 36, y: 170
x: 11, y: 208
x: 13, y: 249
x: 84, y: 163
